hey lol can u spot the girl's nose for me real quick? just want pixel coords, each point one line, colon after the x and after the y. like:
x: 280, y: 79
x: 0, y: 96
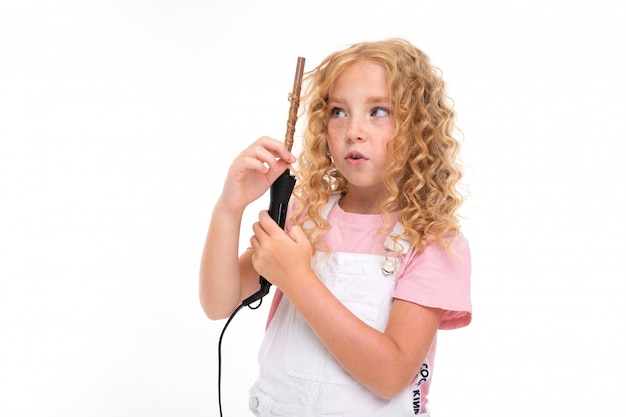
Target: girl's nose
x: 356, y: 130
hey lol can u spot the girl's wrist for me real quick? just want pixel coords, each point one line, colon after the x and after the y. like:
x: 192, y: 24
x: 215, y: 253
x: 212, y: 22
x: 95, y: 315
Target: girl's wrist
x: 228, y: 210
x: 299, y: 282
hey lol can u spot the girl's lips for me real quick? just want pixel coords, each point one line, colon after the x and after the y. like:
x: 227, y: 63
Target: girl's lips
x: 355, y: 159
x: 355, y: 156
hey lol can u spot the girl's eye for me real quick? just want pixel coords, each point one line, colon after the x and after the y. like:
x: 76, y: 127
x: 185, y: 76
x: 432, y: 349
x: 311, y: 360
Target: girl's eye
x: 337, y: 112
x: 380, y: 112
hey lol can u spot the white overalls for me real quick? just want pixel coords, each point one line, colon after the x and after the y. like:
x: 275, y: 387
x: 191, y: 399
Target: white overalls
x: 298, y: 376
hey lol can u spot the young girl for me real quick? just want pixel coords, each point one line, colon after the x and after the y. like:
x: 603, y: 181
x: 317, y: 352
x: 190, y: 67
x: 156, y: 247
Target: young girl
x: 372, y: 262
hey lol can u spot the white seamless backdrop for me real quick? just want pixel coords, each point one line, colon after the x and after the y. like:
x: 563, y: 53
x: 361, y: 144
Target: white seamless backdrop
x: 119, y: 119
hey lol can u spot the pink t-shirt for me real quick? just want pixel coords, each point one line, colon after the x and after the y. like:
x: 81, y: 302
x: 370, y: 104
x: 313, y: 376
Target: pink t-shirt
x: 432, y: 278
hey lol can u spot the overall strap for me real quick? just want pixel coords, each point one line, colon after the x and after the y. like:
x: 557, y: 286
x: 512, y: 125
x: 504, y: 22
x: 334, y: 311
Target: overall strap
x: 332, y: 200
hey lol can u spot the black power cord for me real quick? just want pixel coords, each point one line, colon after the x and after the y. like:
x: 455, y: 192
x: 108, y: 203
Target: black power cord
x: 219, y: 346
x: 247, y: 302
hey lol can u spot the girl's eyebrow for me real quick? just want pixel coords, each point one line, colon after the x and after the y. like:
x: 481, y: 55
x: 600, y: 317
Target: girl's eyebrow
x: 380, y: 99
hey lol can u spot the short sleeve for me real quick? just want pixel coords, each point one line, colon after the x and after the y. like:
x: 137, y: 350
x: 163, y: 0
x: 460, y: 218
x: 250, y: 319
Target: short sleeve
x: 438, y: 278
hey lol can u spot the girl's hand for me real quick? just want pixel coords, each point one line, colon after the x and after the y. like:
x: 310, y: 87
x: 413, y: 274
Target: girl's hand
x: 253, y: 171
x: 283, y: 258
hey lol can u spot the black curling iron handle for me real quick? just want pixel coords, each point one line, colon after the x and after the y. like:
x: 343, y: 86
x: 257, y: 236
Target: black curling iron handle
x: 280, y: 193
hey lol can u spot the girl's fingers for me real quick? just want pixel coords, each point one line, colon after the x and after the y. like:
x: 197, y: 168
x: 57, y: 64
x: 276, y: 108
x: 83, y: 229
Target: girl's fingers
x: 253, y: 171
x: 297, y: 234
x: 271, y: 151
x: 250, y: 163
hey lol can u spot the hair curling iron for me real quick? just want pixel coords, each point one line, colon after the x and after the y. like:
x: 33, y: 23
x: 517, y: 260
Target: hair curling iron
x: 280, y: 192
x: 281, y: 189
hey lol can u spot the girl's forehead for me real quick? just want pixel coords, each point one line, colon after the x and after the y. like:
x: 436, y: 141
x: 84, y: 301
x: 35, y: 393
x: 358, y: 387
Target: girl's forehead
x: 362, y: 75
x: 363, y: 65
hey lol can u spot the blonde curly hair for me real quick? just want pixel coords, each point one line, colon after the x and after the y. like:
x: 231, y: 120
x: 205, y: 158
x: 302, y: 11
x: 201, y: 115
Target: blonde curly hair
x: 423, y: 172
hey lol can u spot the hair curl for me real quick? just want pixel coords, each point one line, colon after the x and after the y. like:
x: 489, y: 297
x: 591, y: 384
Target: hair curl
x: 423, y: 172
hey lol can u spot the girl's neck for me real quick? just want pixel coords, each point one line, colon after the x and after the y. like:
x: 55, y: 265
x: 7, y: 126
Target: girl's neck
x: 361, y: 203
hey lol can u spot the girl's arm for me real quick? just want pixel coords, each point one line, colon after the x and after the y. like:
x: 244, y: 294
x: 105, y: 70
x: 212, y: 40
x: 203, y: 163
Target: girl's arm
x: 225, y: 278
x: 385, y: 362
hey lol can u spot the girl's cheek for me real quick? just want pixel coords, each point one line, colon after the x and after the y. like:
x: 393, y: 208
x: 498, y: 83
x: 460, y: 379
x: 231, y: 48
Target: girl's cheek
x: 383, y: 122
x: 334, y: 130
x: 337, y: 122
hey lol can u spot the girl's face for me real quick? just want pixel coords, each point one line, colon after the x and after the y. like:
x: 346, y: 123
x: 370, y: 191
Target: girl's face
x: 360, y: 126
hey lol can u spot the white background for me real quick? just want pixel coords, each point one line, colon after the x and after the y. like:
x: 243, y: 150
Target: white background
x: 119, y: 119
